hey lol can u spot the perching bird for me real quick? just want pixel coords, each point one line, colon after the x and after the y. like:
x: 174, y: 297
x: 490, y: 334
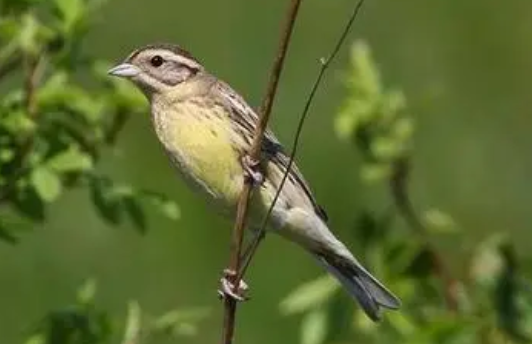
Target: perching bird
x: 206, y: 128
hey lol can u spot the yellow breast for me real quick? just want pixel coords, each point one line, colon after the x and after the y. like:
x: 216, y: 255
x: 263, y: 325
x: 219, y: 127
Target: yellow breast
x: 197, y: 138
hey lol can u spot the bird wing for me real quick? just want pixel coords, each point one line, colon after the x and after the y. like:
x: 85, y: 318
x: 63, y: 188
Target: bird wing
x: 247, y: 119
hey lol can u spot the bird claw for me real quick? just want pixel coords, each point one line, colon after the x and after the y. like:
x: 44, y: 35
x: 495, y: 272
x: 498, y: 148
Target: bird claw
x: 251, y: 169
x: 227, y: 288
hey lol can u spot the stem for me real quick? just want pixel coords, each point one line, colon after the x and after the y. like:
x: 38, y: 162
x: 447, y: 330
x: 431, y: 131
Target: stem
x: 399, y: 190
x: 325, y: 63
x: 230, y: 304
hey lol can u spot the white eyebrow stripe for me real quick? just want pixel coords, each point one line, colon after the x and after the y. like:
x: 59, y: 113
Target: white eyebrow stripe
x: 187, y: 62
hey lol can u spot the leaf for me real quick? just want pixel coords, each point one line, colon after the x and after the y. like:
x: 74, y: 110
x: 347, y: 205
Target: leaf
x: 314, y: 327
x: 180, y: 322
x: 70, y: 11
x: 58, y: 92
x: 17, y: 123
x: 165, y: 205
x: 133, y: 209
x: 375, y: 172
x: 36, y: 339
x: 309, y: 295
x: 7, y: 236
x: 87, y: 292
x: 439, y: 222
x: 488, y: 263
x: 32, y: 34
x: 385, y: 148
x: 422, y: 264
x: 106, y: 200
x: 133, y: 329
x: 402, y: 323
x: 30, y: 204
x: 70, y: 160
x: 46, y: 182
x: 6, y: 154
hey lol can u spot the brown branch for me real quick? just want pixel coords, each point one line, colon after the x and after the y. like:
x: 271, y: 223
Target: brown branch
x: 325, y: 63
x: 240, y: 222
x: 399, y: 190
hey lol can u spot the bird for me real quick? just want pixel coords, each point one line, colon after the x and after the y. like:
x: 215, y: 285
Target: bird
x: 206, y: 128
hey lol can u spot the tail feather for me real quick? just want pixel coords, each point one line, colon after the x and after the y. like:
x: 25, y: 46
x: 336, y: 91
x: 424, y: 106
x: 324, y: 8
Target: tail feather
x: 366, y: 289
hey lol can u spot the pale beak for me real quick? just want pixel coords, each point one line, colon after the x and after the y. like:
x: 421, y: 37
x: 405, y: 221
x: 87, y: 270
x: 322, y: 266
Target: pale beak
x: 124, y: 70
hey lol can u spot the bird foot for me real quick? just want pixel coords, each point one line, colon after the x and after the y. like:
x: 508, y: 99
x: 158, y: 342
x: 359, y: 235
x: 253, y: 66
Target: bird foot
x: 252, y: 171
x: 227, y: 287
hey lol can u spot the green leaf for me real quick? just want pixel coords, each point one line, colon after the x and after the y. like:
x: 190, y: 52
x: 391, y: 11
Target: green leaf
x: 180, y: 322
x: 46, y: 182
x: 134, y: 210
x: 7, y: 235
x: 165, y: 205
x: 488, y: 263
x: 106, y: 200
x: 309, y: 295
x: 6, y: 155
x: 402, y: 323
x: 439, y: 222
x: 314, y: 327
x: 133, y: 329
x: 9, y: 28
x: 58, y: 92
x: 28, y: 202
x: 371, y: 173
x: 17, y: 123
x: 385, y: 148
x: 32, y: 34
x: 70, y: 11
x: 70, y: 160
x: 36, y: 339
x: 87, y: 292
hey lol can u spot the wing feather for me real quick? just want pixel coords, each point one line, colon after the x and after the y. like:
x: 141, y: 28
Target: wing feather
x: 246, y: 119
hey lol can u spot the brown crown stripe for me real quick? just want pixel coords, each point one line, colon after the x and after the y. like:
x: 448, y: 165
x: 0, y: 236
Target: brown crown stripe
x: 164, y: 46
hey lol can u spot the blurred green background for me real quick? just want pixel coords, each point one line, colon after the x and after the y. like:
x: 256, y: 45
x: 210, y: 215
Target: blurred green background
x: 465, y: 66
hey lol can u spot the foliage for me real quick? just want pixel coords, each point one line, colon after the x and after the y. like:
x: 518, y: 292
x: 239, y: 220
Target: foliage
x: 84, y: 322
x: 488, y: 301
x: 59, y: 114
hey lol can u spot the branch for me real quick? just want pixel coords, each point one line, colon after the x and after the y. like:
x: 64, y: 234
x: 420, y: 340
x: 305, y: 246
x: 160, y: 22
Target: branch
x: 399, y: 190
x: 325, y: 63
x: 240, y: 222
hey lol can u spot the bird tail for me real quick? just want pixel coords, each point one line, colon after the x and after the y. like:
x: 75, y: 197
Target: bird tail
x: 361, y: 285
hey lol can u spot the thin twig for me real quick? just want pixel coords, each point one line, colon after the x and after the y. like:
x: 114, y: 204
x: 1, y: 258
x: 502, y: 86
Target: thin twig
x: 32, y: 79
x: 240, y: 222
x: 399, y: 191
x: 325, y: 63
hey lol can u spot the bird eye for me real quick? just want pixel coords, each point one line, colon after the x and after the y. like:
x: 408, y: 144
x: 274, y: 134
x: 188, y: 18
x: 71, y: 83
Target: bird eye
x: 156, y: 61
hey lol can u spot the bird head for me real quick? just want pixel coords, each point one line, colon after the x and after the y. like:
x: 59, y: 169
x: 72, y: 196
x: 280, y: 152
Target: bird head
x: 156, y: 68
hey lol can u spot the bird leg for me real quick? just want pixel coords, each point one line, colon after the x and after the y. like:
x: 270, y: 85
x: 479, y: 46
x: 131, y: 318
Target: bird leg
x: 227, y: 287
x: 252, y: 170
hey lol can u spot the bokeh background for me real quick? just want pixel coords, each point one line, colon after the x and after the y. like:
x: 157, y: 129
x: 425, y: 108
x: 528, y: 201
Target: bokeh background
x: 465, y: 67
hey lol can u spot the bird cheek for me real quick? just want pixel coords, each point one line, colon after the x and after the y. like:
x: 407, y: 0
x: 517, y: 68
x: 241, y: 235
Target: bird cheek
x: 144, y: 84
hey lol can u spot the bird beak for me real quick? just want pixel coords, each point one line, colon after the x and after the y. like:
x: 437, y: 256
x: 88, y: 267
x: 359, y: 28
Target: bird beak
x: 124, y: 70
